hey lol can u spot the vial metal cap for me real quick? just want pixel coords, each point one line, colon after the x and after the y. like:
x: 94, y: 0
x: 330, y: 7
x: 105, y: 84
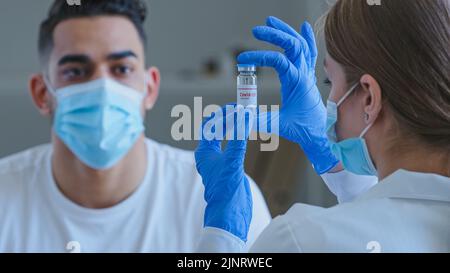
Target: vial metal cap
x: 246, y: 67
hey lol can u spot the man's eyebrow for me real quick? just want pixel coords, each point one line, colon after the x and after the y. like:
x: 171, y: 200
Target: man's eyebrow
x: 121, y: 55
x: 74, y: 58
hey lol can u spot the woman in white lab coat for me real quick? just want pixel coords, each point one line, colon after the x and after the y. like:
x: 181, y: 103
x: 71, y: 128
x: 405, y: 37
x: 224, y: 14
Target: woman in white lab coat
x: 388, y: 115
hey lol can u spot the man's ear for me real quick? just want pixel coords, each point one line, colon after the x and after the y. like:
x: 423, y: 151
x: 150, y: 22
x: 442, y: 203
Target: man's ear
x: 40, y: 95
x: 153, y: 83
x: 372, y: 97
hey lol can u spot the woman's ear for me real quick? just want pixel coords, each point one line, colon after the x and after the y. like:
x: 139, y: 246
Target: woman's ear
x: 372, y: 97
x: 152, y: 84
x: 40, y: 95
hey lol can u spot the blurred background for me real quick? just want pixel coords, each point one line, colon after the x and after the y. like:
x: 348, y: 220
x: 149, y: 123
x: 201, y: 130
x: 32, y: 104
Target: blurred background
x: 194, y: 43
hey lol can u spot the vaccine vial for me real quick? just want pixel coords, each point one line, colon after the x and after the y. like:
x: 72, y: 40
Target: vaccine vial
x: 247, y: 88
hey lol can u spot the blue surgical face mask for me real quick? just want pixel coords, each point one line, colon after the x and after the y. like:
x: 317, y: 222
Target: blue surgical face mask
x: 352, y: 152
x: 99, y: 121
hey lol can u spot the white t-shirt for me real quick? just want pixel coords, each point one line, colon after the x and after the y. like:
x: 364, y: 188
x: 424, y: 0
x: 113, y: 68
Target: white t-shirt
x: 165, y: 213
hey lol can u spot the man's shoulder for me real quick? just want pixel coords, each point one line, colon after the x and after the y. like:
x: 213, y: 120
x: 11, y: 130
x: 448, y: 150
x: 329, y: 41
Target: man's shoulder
x: 22, y: 163
x: 17, y: 172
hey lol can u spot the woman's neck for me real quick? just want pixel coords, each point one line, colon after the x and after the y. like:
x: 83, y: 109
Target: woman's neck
x: 418, y: 158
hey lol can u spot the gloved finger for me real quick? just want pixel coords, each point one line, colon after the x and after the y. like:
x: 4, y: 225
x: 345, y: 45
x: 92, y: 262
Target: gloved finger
x: 292, y: 46
x: 235, y: 153
x: 214, y: 128
x: 235, y: 150
x: 272, y: 59
x: 206, y: 152
x: 230, y: 120
x: 308, y: 35
x: 206, y: 147
x: 268, y: 122
x: 208, y: 143
x: 244, y: 119
x: 307, y: 40
x: 274, y: 22
x: 287, y: 72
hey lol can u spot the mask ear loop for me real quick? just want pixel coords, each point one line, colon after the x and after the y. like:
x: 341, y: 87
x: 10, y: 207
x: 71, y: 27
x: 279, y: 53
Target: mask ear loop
x: 347, y: 94
x: 364, y: 132
x: 146, y: 81
x: 49, y: 86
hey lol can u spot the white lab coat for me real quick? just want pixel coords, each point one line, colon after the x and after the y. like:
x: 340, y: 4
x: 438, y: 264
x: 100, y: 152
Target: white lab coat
x: 406, y: 212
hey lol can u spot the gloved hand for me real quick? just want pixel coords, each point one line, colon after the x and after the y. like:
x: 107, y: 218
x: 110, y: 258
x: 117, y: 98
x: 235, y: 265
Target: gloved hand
x: 227, y: 190
x: 302, y: 117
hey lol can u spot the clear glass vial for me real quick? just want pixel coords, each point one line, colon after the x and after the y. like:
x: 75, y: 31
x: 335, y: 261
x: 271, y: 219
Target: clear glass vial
x: 247, y: 88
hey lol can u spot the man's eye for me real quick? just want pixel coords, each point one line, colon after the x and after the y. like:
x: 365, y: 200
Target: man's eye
x: 73, y: 73
x: 122, y: 70
x: 327, y: 82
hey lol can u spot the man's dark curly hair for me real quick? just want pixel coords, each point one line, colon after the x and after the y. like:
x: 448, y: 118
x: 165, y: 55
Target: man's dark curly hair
x: 134, y: 10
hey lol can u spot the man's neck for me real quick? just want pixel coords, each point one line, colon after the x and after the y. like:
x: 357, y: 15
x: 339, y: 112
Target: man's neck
x: 98, y: 189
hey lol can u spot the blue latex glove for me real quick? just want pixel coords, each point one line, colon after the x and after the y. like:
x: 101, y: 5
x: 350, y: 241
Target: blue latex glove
x: 227, y: 190
x: 302, y: 117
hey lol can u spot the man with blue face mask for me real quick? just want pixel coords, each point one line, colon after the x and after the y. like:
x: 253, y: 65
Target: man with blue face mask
x: 99, y: 121
x: 101, y: 186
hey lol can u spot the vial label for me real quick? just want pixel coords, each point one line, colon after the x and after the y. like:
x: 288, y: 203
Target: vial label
x: 247, y: 95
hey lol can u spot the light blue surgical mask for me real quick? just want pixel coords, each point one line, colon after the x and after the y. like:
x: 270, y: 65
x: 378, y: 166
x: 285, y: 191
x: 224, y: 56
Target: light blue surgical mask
x: 352, y: 152
x: 99, y: 121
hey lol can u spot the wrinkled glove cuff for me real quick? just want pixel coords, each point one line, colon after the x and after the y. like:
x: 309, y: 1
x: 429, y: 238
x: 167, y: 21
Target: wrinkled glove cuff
x: 229, y: 218
x: 322, y: 159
